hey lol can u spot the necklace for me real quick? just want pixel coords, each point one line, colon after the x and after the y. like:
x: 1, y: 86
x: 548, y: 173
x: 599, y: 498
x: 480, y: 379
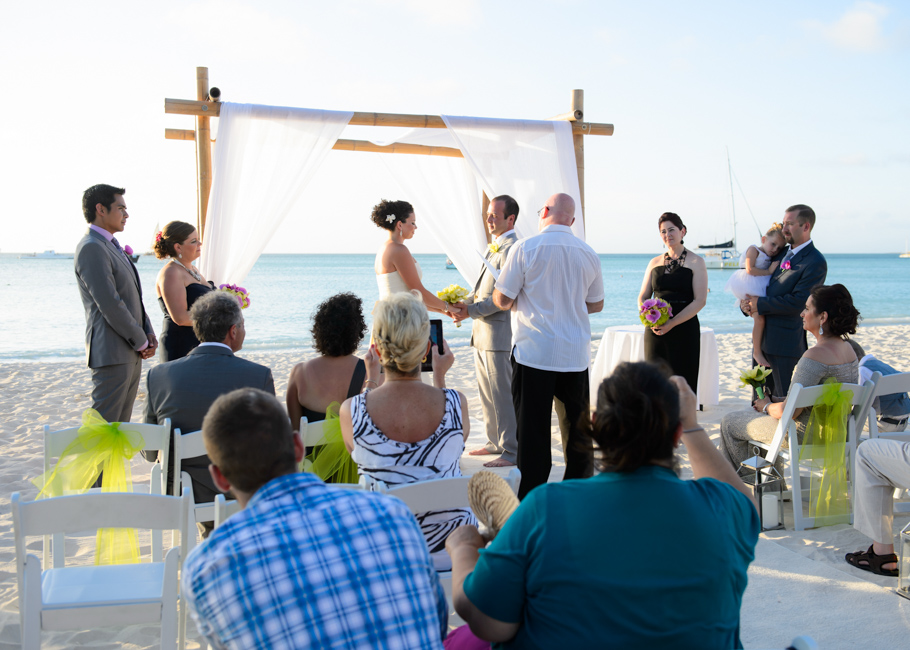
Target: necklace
x: 671, y: 264
x: 191, y: 271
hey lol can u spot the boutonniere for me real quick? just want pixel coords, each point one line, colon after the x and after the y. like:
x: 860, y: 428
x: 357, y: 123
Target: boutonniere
x: 128, y: 249
x: 493, y: 247
x: 785, y: 266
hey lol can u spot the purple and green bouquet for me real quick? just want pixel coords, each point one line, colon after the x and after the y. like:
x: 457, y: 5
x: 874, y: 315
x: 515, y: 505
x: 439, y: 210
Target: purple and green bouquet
x: 654, y: 312
x: 242, y: 295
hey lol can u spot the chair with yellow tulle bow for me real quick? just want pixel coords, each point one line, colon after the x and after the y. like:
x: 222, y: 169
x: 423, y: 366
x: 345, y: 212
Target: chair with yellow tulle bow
x: 85, y: 597
x: 76, y: 467
x: 826, y: 454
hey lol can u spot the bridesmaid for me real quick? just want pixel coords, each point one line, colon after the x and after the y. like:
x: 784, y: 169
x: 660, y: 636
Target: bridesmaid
x: 178, y: 286
x: 679, y: 277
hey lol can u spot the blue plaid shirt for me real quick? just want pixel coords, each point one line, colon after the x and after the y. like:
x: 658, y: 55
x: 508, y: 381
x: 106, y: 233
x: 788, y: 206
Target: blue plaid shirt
x: 307, y: 565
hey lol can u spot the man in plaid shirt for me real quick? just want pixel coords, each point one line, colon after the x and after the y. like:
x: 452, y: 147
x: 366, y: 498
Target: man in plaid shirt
x: 304, y: 564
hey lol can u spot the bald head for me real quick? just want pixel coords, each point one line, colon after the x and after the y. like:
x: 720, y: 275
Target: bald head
x: 560, y: 210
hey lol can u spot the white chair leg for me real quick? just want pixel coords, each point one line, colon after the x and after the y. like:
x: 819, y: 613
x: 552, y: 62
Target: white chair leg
x: 31, y: 607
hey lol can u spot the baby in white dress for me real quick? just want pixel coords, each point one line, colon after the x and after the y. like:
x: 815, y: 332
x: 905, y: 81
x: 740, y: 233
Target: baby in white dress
x: 753, y: 277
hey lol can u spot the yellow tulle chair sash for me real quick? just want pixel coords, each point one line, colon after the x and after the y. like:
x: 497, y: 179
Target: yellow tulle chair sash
x: 103, y: 447
x: 824, y: 451
x: 330, y: 459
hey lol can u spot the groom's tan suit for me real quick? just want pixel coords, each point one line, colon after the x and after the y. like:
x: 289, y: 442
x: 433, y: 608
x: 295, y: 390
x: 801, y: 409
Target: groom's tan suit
x: 491, y: 338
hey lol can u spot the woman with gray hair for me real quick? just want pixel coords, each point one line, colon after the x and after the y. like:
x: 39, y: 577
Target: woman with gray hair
x: 406, y: 431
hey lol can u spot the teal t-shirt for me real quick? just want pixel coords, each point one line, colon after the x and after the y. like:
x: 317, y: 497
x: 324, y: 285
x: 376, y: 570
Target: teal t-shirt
x: 638, y: 560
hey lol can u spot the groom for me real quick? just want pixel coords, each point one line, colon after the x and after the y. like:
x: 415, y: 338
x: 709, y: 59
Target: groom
x: 801, y: 268
x: 118, y: 332
x: 491, y: 338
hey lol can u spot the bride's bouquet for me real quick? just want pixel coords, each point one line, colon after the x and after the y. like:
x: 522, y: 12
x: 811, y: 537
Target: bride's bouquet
x: 654, y: 312
x: 756, y: 378
x: 453, y: 294
x: 241, y: 294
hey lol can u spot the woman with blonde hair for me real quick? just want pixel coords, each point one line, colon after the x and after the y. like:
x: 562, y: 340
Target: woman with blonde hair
x: 406, y: 431
x: 178, y: 286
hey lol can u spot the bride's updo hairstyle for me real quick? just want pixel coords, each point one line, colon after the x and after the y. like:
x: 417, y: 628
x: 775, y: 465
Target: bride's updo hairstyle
x: 673, y: 218
x: 837, y: 302
x: 175, y: 232
x: 636, y: 418
x: 401, y: 330
x: 399, y: 210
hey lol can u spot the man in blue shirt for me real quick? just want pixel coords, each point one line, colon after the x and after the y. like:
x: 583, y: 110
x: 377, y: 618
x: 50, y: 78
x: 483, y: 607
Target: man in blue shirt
x: 304, y: 564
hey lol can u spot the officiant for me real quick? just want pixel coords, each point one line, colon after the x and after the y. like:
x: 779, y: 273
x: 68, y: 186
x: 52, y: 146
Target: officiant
x: 491, y: 338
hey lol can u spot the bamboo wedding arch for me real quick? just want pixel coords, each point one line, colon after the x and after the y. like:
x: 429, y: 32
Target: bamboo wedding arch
x: 207, y: 105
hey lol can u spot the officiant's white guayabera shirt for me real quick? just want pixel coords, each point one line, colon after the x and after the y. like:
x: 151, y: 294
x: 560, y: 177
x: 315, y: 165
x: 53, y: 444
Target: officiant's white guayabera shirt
x: 551, y: 276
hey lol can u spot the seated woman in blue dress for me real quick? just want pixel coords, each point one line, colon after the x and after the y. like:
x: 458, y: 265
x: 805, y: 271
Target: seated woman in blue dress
x: 633, y: 557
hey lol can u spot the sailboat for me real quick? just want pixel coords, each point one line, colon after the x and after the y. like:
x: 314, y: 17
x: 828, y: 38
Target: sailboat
x: 906, y: 253
x: 723, y: 255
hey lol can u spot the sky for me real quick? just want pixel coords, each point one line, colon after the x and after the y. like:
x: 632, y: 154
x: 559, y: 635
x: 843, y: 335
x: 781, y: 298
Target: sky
x: 811, y: 99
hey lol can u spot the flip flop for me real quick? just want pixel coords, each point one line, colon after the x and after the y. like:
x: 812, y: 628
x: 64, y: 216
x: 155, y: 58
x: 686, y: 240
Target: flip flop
x: 873, y: 562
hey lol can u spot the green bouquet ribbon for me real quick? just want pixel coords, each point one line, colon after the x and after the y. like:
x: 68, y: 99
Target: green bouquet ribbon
x: 100, y: 446
x: 824, y: 451
x: 330, y: 460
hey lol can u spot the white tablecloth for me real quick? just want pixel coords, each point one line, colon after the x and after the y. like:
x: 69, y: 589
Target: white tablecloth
x: 627, y: 343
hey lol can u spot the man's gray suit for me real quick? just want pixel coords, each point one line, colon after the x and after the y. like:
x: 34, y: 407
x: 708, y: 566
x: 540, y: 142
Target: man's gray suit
x: 184, y: 389
x: 116, y: 324
x: 491, y: 338
x: 784, y: 340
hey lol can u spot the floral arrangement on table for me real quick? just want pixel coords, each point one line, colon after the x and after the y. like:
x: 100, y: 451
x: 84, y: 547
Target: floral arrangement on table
x: 452, y: 294
x: 242, y: 295
x: 756, y: 378
x: 654, y: 312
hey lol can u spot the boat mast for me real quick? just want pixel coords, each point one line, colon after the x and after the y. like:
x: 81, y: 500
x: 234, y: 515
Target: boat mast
x: 732, y: 202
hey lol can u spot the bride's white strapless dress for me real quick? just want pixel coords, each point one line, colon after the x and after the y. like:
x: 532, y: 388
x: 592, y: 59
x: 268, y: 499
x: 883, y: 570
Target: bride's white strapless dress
x: 390, y: 283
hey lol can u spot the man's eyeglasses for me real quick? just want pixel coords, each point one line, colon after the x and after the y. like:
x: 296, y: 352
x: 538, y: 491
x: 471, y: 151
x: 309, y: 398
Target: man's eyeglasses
x: 539, y: 215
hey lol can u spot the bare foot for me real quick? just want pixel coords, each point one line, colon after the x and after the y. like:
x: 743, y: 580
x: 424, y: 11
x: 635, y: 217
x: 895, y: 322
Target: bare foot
x: 760, y: 358
x: 499, y: 462
x: 483, y: 451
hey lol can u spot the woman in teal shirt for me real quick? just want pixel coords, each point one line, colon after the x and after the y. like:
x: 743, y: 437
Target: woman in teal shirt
x: 633, y: 557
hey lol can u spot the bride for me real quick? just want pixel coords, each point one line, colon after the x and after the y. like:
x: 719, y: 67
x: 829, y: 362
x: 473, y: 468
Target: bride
x: 396, y: 269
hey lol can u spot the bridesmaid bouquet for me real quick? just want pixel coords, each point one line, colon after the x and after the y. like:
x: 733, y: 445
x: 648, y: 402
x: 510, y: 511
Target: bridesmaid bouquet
x: 756, y: 377
x: 452, y: 294
x: 654, y: 312
x: 242, y: 295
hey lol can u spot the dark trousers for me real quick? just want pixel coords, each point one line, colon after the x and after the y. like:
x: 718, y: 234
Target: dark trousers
x: 533, y: 392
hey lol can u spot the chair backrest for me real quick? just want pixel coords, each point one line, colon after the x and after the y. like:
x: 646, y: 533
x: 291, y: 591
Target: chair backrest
x: 311, y: 432
x: 885, y: 385
x: 438, y: 494
x: 186, y: 445
x: 801, y: 397
x: 865, y: 411
x: 224, y: 508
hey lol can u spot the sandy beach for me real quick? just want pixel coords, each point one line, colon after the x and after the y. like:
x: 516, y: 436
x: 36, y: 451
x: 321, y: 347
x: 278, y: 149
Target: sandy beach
x: 799, y: 583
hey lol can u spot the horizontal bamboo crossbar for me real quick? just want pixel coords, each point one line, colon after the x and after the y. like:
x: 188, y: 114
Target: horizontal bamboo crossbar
x: 213, y: 109
x: 179, y: 134
x: 362, y: 145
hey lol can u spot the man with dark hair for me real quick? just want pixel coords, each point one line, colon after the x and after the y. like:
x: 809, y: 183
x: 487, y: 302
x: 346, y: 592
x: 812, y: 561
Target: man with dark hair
x: 118, y: 332
x: 184, y: 389
x: 491, y: 338
x: 802, y: 267
x: 304, y: 564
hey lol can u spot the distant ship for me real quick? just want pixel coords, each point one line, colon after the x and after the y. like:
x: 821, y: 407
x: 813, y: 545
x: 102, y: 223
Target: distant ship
x: 47, y: 255
x: 906, y: 253
x: 450, y: 264
x: 723, y: 255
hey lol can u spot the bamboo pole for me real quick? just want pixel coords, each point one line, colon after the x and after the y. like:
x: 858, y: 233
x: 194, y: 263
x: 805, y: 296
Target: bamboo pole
x: 203, y: 152
x: 578, y: 108
x: 362, y: 145
x: 179, y: 134
x: 483, y: 216
x: 213, y: 109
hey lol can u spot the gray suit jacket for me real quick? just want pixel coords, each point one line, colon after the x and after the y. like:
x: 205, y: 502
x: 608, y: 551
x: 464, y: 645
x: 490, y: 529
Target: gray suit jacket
x: 184, y: 389
x: 116, y: 324
x: 492, y: 327
x: 786, y: 298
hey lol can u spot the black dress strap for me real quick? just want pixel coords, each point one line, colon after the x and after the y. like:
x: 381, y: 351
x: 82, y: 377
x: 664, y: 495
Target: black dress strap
x: 360, y: 373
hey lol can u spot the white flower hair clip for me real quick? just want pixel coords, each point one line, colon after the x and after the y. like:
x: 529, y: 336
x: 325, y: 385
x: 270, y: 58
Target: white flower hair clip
x: 390, y: 218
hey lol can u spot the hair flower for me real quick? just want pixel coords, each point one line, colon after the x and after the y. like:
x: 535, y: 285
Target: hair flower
x: 158, y: 236
x: 390, y: 218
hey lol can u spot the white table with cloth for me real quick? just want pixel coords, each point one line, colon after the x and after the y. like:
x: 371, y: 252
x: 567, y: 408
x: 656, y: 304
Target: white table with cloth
x: 627, y: 343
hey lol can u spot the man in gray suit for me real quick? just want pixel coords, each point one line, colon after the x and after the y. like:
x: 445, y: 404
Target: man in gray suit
x: 491, y: 338
x: 801, y: 268
x: 118, y: 332
x: 184, y: 389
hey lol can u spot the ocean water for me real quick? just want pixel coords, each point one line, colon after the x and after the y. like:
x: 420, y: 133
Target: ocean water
x: 41, y: 315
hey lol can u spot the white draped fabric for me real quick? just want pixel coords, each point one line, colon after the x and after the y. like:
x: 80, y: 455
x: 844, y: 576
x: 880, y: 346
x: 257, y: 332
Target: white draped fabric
x: 264, y: 158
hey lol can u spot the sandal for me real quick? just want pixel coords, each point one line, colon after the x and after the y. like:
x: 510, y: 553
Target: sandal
x: 873, y: 562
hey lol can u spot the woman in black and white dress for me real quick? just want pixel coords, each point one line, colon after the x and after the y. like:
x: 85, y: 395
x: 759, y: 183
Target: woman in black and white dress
x: 406, y: 431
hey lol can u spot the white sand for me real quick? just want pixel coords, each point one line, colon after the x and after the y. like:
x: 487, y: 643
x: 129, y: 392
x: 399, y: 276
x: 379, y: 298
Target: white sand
x: 799, y: 583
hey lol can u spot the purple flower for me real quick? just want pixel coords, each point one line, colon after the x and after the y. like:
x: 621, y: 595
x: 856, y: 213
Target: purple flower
x: 785, y: 266
x: 650, y: 303
x: 669, y: 311
x: 653, y: 316
x: 128, y: 249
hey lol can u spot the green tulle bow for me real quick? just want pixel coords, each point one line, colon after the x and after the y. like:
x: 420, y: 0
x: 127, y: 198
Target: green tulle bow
x: 330, y: 459
x: 824, y: 451
x: 100, y: 446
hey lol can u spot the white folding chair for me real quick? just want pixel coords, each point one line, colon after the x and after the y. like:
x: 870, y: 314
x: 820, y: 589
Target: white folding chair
x: 884, y: 385
x: 802, y: 397
x: 311, y: 434
x: 439, y: 494
x: 224, y: 508
x: 154, y: 437
x: 190, y: 445
x: 84, y: 597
